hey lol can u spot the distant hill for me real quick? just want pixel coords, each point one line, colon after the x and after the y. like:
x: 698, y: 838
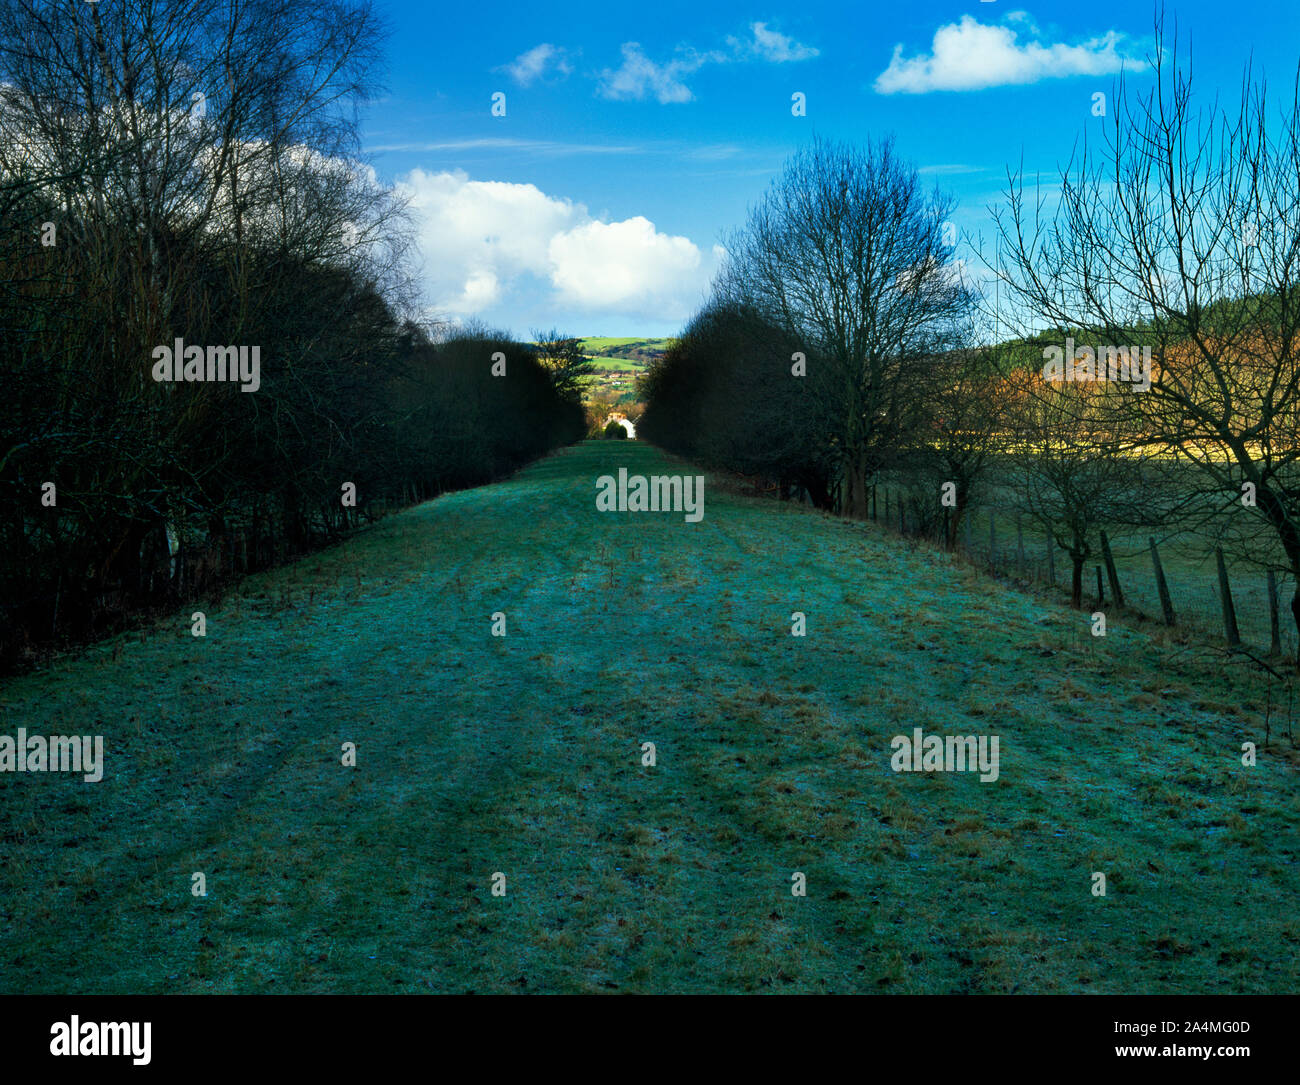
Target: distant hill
x: 618, y: 362
x: 640, y: 352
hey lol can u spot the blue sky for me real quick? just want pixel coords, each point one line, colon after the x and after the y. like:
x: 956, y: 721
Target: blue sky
x: 633, y: 138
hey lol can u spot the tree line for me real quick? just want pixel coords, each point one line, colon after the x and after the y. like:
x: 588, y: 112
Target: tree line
x: 170, y: 171
x: 845, y: 342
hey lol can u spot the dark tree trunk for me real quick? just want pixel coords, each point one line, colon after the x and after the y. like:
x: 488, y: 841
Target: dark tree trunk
x: 855, y: 486
x: 1295, y: 613
x: 819, y: 493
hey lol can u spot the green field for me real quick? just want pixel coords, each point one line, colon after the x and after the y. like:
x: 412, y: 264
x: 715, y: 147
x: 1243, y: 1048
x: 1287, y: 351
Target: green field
x: 599, y: 342
x: 617, y: 343
x: 621, y: 365
x: 638, y: 350
x: 521, y: 755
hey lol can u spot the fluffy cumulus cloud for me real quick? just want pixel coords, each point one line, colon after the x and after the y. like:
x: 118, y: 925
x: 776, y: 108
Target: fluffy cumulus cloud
x: 605, y: 264
x: 477, y: 235
x: 539, y: 62
x: 969, y: 55
x: 483, y: 240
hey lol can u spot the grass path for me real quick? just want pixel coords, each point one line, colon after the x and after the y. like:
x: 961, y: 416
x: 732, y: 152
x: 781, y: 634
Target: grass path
x: 521, y: 754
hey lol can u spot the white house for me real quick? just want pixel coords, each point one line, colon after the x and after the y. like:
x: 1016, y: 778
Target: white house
x: 621, y: 419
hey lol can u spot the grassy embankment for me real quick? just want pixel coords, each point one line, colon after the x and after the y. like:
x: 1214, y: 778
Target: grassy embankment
x: 521, y: 754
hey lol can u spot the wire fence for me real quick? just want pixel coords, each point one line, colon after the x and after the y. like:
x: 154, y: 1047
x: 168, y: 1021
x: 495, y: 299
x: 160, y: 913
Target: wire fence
x: 1012, y: 546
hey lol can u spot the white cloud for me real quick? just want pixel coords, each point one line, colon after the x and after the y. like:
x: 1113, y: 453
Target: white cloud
x: 609, y: 264
x: 772, y: 45
x: 640, y: 76
x: 482, y: 290
x: 528, y: 67
x: 971, y: 56
x: 477, y: 235
x: 483, y: 241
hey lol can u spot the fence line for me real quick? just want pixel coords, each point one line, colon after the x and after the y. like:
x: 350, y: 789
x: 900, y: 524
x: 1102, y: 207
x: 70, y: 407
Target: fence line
x: 1222, y: 604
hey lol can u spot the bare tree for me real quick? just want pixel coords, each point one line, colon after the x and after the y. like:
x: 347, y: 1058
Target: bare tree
x: 847, y: 256
x: 1182, y: 235
x: 954, y: 441
x: 1071, y: 465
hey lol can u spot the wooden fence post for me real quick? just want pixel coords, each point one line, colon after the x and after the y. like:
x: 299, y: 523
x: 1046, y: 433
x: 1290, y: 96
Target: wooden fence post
x: 1225, y: 598
x: 1111, y: 574
x: 1166, y: 603
x: 965, y: 524
x: 1274, y: 629
x: 1020, y: 549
